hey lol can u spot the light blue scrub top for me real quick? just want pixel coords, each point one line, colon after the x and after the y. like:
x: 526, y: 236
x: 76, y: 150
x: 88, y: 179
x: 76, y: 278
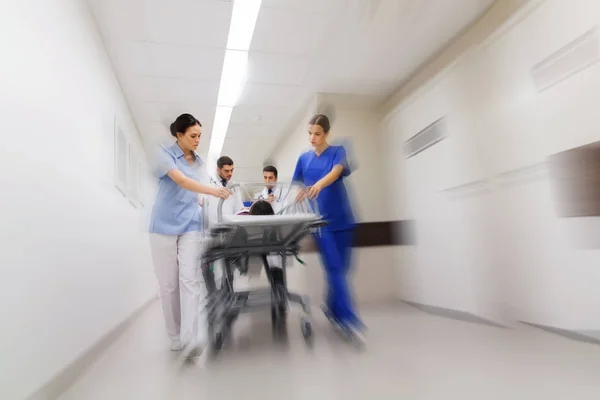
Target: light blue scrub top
x: 333, y: 202
x: 176, y: 210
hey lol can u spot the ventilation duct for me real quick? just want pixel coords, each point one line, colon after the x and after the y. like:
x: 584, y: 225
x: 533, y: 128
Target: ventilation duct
x: 434, y: 133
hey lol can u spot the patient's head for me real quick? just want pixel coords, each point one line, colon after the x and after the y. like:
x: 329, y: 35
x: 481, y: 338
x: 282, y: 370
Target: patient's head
x: 261, y: 207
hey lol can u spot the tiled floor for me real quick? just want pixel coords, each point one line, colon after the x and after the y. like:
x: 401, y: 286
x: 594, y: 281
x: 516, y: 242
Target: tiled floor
x: 410, y: 355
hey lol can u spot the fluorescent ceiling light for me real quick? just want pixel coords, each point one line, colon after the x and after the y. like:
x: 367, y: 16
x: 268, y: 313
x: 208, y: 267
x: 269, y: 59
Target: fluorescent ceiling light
x: 233, y: 77
x: 217, y: 138
x: 243, y: 21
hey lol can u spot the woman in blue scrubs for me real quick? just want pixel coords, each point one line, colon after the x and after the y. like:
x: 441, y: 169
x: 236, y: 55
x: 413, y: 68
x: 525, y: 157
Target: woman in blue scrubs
x: 175, y: 234
x: 322, y: 171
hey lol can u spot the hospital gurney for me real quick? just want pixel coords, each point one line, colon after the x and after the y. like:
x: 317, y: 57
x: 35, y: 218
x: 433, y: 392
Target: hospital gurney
x: 235, y: 239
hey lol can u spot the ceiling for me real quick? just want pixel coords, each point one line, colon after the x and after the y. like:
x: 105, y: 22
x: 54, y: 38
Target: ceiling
x: 168, y: 58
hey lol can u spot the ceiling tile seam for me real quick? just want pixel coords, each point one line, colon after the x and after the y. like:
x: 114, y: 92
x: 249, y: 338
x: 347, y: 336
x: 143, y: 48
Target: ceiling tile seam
x: 178, y: 44
x: 174, y: 103
x: 295, y: 10
x: 281, y: 54
x: 145, y: 76
x: 209, y: 47
x: 274, y: 84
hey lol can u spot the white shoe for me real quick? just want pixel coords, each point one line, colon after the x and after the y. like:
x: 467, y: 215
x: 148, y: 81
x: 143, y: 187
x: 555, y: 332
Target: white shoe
x: 201, y: 357
x: 196, y: 354
x: 176, y: 345
x: 193, y: 350
x: 356, y: 336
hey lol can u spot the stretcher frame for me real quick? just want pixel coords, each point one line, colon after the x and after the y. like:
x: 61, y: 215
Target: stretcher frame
x: 230, y: 242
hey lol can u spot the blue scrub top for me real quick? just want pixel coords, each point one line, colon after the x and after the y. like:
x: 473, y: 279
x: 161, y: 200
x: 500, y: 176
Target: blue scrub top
x: 176, y: 210
x: 333, y: 201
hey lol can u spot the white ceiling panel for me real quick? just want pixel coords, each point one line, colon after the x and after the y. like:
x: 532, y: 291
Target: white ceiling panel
x: 258, y: 133
x: 306, y: 6
x: 289, y: 33
x: 267, y: 115
x: 167, y: 112
x: 245, y: 152
x: 201, y: 23
x: 168, y: 61
x: 193, y: 22
x: 365, y: 86
x: 256, y: 94
x: 120, y: 20
x: 128, y: 57
x: 153, y: 130
x: 186, y: 61
x: 171, y: 90
x: 276, y: 69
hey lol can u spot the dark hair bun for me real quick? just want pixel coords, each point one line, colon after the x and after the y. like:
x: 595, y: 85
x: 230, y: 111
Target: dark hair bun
x: 322, y: 121
x: 183, y: 123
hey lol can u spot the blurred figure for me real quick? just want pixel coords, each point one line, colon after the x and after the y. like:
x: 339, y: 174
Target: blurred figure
x: 272, y: 193
x: 322, y: 171
x: 273, y: 262
x: 174, y: 233
x: 222, y: 178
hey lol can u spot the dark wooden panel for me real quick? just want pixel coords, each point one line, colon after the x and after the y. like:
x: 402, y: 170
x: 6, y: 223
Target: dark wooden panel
x: 372, y: 234
x: 576, y: 181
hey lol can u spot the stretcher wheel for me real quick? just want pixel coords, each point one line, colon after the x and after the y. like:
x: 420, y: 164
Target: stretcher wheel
x: 219, y: 340
x: 278, y: 315
x: 306, y: 327
x: 278, y: 304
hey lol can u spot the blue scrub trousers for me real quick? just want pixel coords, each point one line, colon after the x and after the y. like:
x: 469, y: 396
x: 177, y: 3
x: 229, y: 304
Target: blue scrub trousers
x: 335, y: 248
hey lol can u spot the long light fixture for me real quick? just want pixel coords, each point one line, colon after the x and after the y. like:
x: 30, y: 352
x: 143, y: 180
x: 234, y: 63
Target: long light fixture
x: 233, y: 75
x: 222, y: 117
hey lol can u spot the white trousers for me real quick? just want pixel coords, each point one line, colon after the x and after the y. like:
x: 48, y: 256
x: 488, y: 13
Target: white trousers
x: 182, y: 288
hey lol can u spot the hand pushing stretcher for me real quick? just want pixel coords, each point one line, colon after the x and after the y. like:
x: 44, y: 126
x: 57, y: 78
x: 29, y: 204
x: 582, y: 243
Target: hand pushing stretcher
x: 272, y: 239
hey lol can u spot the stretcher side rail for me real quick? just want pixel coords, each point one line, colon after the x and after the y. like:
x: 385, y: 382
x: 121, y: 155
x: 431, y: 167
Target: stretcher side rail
x: 312, y: 204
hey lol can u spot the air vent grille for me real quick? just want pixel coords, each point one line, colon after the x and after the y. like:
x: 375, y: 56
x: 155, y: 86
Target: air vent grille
x: 434, y: 133
x: 567, y: 61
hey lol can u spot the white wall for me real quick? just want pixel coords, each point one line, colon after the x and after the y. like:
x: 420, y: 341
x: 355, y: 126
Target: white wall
x: 497, y: 246
x: 293, y: 143
x: 74, y: 254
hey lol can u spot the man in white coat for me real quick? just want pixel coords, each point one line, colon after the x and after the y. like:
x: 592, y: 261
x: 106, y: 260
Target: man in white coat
x: 222, y: 178
x: 273, y: 193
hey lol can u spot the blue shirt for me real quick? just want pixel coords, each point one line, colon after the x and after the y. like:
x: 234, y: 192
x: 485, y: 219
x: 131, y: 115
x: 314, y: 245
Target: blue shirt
x: 176, y: 210
x: 333, y: 202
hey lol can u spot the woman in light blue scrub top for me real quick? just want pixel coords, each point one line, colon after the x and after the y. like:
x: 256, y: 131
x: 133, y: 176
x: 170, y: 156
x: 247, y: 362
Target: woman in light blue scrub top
x: 174, y: 234
x: 322, y: 171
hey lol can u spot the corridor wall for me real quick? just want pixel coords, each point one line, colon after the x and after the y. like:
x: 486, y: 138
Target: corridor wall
x: 489, y: 238
x: 74, y: 252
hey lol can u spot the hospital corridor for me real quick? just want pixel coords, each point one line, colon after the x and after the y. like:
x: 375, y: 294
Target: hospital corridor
x: 305, y: 199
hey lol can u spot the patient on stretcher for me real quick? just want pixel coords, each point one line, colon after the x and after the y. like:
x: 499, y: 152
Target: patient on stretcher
x: 262, y: 207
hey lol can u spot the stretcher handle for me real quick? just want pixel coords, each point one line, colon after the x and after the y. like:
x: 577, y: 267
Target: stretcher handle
x: 319, y: 224
x: 315, y: 206
x: 311, y: 202
x: 221, y: 201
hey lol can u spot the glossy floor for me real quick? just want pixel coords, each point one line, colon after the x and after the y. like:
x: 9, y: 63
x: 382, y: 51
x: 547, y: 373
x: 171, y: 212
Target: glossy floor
x: 410, y: 355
